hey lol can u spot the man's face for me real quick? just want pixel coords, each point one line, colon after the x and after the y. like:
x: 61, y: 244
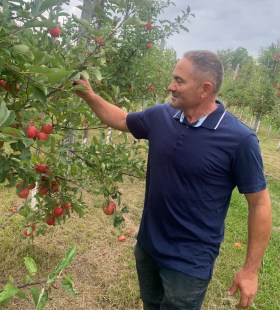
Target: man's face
x: 185, y: 91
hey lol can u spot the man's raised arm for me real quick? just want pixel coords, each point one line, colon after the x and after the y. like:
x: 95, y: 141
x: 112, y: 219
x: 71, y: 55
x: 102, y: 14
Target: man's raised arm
x: 108, y: 113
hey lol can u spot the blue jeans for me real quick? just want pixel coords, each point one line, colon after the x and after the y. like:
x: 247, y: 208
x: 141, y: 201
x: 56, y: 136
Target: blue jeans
x: 166, y: 289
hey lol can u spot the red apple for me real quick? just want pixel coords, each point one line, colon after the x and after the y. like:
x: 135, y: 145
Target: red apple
x: 41, y: 136
x: 55, y: 188
x: 122, y: 238
x: 66, y: 206
x: 129, y: 231
x: 23, y: 193
x: 31, y: 131
x: 58, y: 211
x: 54, y: 32
x: 5, y: 85
x: 43, y: 190
x: 50, y: 221
x: 148, y: 45
x: 47, y: 128
x: 41, y: 168
x: 110, y: 208
x: 149, y: 26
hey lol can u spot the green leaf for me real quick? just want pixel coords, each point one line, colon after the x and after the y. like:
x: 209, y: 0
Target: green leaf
x: 41, y: 69
x: 47, y: 4
x: 118, y: 220
x: 39, y: 23
x: 35, y: 294
x: 116, y: 90
x: 5, y: 52
x: 58, y: 75
x: 125, y: 210
x: 132, y: 20
x: 30, y: 265
x: 39, y: 93
x: 11, y: 119
x: 21, y: 295
x: 79, y: 87
x: 64, y: 263
x: 84, y: 75
x: 23, y: 50
x: 42, y: 300
x: 8, y: 292
x: 11, y: 131
x: 68, y: 285
x: 52, y: 277
x: 97, y: 73
x: 4, y: 113
x: 27, y: 279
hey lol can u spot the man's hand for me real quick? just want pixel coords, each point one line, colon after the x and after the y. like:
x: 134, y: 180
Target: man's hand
x: 84, y: 94
x: 247, y: 283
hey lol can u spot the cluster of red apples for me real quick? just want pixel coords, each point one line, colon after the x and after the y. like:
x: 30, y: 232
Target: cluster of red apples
x: 46, y: 185
x: 149, y: 26
x: 33, y: 132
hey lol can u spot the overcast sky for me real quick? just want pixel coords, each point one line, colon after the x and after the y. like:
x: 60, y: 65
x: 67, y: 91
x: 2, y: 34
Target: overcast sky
x: 221, y: 24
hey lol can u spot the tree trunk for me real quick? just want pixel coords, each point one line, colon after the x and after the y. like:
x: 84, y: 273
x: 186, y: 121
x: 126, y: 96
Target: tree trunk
x: 109, y: 134
x: 268, y: 132
x: 257, y: 122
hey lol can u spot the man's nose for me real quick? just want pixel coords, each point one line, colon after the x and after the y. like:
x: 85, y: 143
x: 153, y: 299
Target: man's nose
x: 171, y: 87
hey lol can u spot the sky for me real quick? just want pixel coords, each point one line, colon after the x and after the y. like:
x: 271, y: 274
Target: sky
x: 221, y: 24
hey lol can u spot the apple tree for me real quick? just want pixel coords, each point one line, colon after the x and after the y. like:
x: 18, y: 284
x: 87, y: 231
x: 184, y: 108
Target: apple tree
x: 43, y: 48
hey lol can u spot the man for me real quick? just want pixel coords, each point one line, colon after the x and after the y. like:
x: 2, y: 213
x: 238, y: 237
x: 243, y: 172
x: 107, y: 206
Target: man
x: 198, y: 153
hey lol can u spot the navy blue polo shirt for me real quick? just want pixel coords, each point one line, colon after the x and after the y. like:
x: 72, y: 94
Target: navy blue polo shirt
x: 191, y: 173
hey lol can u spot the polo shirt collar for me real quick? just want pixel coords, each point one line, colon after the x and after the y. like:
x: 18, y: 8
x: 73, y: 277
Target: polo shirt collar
x: 212, y: 121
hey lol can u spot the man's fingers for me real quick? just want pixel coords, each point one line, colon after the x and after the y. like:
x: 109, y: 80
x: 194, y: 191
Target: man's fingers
x: 233, y: 289
x: 245, y: 302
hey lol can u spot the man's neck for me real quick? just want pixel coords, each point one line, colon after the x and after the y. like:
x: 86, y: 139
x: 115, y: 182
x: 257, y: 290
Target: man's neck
x: 195, y: 113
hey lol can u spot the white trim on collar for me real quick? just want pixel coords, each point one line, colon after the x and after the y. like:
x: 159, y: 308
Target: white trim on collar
x: 220, y: 120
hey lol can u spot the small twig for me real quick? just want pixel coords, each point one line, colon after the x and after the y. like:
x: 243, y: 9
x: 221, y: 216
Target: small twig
x: 31, y: 284
x: 90, y: 128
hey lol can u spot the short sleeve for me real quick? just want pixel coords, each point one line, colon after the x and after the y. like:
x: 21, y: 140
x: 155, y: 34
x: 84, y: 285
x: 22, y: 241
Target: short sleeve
x: 139, y: 123
x: 247, y: 166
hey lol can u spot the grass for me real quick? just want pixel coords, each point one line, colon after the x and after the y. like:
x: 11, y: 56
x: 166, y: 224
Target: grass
x: 104, y: 270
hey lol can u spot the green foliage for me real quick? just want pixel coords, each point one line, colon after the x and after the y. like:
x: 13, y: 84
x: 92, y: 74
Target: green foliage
x: 253, y: 84
x: 40, y: 296
x: 106, y: 45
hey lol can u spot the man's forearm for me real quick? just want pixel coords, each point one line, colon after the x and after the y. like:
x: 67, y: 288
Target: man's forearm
x: 108, y: 113
x: 259, y: 229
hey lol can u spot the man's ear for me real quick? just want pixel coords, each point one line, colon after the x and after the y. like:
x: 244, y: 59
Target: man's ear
x: 207, y: 88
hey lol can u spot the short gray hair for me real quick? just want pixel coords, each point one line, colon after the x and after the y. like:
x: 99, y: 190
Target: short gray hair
x: 207, y: 66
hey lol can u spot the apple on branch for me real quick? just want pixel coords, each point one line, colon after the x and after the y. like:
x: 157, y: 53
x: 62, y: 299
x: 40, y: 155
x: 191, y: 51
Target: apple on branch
x: 110, y: 208
x: 54, y: 32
